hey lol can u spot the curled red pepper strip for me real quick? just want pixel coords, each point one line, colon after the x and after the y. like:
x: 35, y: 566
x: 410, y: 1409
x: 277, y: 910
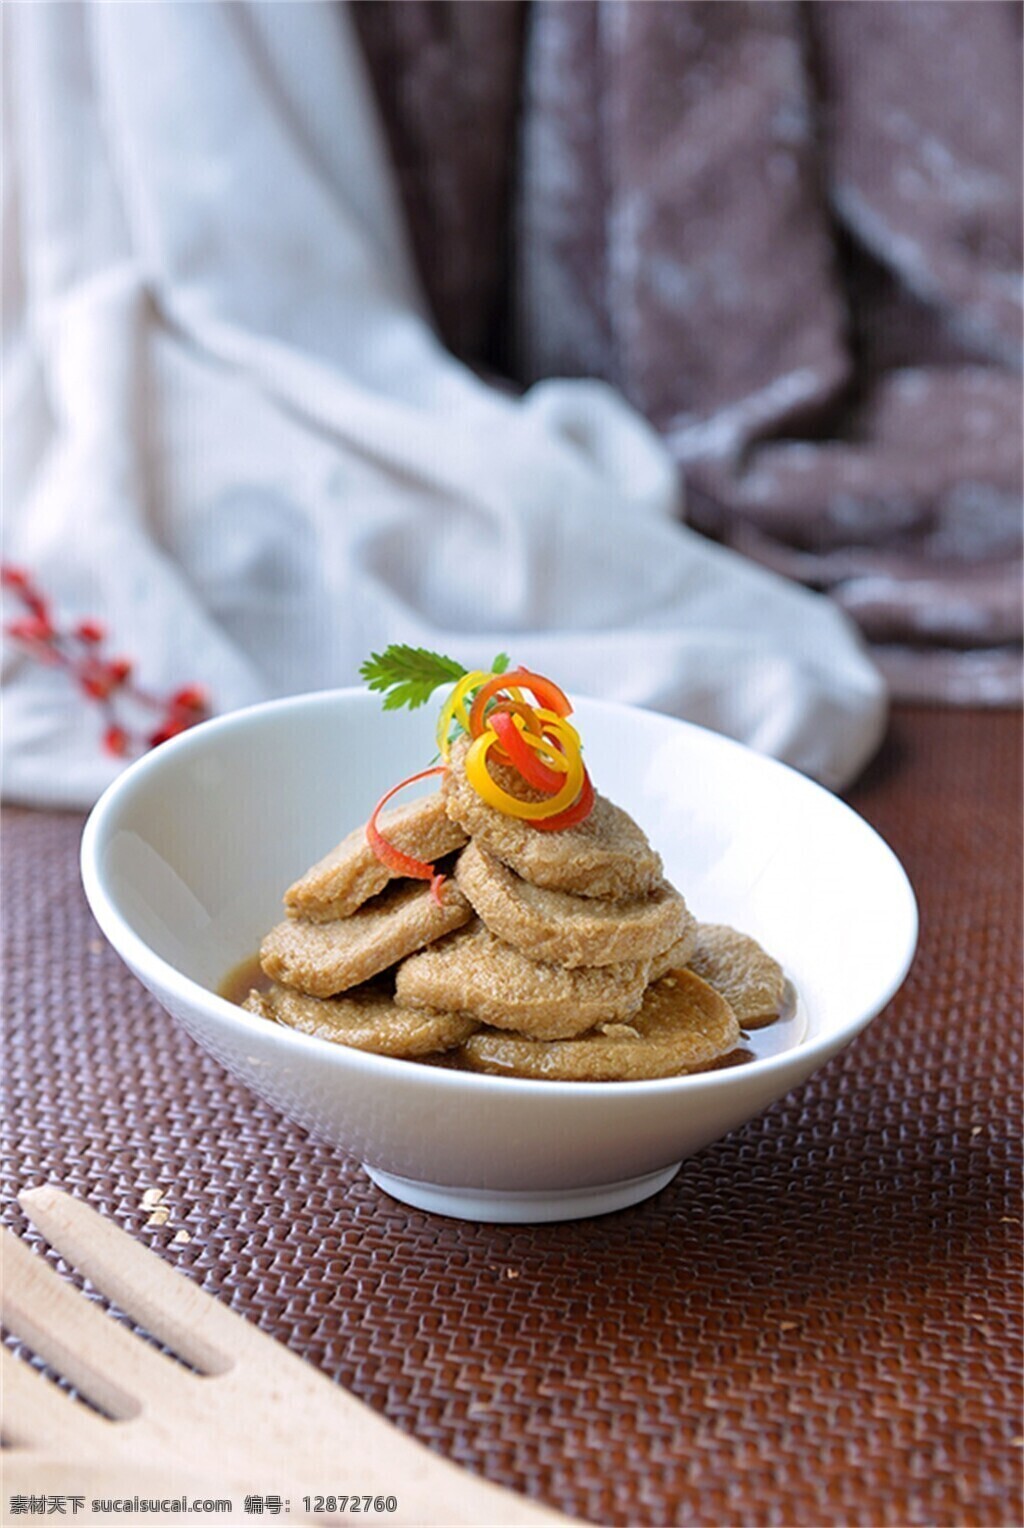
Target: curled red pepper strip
x: 577, y: 813
x: 533, y: 770
x: 512, y: 748
x: 514, y: 708
x: 397, y: 861
x: 548, y: 694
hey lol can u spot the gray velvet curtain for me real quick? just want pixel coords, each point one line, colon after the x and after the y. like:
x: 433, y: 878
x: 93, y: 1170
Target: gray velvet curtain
x: 791, y: 234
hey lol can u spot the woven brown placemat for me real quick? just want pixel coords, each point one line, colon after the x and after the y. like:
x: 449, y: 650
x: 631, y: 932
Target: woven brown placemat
x: 818, y: 1322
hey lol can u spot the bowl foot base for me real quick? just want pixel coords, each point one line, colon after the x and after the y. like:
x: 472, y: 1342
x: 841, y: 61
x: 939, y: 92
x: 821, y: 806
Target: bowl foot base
x: 501, y: 1206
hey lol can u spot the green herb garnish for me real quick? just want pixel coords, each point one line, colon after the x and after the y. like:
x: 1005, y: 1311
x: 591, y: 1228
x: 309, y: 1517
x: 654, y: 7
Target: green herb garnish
x: 408, y: 676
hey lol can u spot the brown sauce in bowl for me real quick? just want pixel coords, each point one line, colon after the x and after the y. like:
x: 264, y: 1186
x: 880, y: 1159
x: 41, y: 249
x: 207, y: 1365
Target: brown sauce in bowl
x: 243, y: 979
x: 787, y: 1031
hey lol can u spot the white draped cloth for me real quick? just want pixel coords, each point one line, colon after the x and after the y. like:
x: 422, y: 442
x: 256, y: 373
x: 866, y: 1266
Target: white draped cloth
x: 231, y: 434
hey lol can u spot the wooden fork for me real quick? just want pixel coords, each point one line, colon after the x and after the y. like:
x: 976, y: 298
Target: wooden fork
x: 247, y: 1414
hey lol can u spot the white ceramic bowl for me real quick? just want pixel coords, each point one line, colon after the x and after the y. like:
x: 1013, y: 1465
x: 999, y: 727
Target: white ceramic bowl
x: 186, y: 856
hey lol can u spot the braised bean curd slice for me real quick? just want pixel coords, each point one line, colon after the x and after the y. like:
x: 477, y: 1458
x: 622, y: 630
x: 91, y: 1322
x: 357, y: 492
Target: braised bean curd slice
x: 546, y: 942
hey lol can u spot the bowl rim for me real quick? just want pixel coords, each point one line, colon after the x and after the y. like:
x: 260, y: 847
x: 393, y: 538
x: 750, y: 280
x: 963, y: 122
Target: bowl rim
x: 147, y: 964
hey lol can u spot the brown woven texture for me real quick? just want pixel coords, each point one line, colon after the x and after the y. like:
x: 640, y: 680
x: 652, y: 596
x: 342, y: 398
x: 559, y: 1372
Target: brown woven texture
x: 818, y: 1322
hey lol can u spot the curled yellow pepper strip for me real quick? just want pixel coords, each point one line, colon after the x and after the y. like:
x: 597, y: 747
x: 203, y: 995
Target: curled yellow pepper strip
x: 454, y: 708
x: 552, y: 722
x: 528, y: 725
x: 545, y: 751
x: 490, y: 791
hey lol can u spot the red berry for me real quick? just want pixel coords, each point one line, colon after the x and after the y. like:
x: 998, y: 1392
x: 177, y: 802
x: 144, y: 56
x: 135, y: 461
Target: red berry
x: 101, y: 679
x: 90, y: 631
x: 168, y: 728
x: 31, y: 628
x: 115, y: 741
x: 191, y: 698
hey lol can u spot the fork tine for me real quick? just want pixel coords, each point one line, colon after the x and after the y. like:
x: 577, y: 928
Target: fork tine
x: 177, y: 1312
x: 98, y: 1357
x: 39, y: 1415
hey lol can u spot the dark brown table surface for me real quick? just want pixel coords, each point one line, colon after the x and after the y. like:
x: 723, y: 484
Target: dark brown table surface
x: 818, y: 1322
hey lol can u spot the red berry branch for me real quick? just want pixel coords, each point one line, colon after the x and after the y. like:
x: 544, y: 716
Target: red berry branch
x: 108, y: 682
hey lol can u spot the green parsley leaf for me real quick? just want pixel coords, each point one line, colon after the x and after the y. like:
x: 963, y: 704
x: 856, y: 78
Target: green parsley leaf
x: 500, y: 663
x: 408, y: 676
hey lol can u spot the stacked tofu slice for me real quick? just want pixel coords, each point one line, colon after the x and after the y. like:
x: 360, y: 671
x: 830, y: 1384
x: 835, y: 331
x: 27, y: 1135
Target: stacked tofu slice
x: 562, y: 956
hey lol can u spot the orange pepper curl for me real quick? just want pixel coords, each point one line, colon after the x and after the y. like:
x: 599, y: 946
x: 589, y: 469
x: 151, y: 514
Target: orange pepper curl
x: 397, y: 861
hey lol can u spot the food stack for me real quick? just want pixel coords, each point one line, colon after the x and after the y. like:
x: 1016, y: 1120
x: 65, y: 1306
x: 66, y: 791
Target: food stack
x: 562, y: 955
